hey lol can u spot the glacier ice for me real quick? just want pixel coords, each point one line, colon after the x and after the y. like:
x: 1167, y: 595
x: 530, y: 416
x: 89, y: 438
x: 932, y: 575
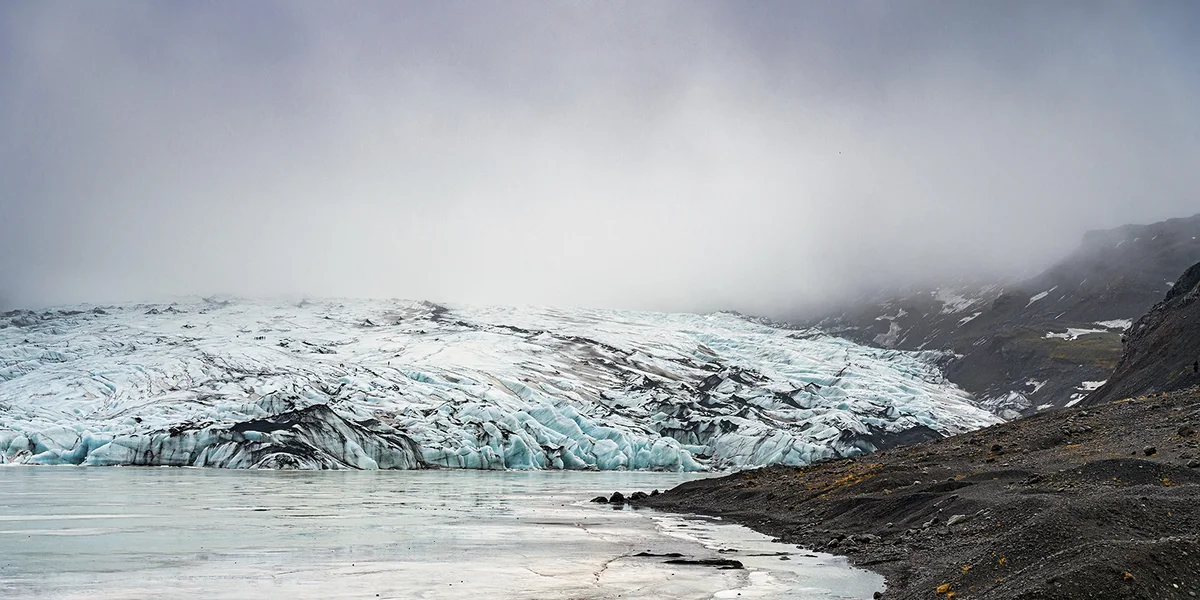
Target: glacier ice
x: 394, y: 384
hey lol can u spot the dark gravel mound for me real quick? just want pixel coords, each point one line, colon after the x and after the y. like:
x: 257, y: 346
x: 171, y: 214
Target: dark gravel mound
x: 1102, y: 502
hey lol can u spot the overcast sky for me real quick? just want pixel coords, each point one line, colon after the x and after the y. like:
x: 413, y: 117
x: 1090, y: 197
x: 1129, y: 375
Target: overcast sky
x: 758, y: 156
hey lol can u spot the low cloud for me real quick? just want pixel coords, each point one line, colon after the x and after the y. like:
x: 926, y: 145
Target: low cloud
x: 675, y: 156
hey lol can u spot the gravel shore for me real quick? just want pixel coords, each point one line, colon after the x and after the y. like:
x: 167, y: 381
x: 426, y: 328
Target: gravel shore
x: 1099, y: 502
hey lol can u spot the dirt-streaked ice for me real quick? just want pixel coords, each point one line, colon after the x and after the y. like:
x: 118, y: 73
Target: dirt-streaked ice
x: 397, y: 384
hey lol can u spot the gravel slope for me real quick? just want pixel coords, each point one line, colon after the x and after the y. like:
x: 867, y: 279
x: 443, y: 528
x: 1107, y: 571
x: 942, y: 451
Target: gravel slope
x: 1099, y: 502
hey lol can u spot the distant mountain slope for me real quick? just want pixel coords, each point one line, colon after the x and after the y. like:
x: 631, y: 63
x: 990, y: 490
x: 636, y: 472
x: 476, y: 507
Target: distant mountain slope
x: 1039, y: 343
x: 1163, y: 346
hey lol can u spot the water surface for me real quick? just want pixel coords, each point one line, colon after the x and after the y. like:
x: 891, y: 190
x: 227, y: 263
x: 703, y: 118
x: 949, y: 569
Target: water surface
x: 116, y: 533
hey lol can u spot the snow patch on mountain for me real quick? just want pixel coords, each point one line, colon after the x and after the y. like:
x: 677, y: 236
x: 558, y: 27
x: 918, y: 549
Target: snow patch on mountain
x: 1040, y: 296
x: 889, y: 339
x: 1072, y: 333
x: 397, y: 384
x: 953, y: 302
x: 969, y: 318
x: 1084, y: 389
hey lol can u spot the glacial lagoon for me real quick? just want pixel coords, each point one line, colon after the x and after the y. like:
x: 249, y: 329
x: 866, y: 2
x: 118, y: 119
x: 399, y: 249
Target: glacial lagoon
x: 125, y: 533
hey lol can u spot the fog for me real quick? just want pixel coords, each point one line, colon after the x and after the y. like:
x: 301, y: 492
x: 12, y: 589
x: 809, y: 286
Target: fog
x: 693, y: 156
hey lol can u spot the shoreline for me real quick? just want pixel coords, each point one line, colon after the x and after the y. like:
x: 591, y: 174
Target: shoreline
x: 1097, y: 502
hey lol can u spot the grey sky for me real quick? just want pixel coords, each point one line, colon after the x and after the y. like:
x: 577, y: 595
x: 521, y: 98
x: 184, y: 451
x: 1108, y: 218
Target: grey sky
x: 665, y: 155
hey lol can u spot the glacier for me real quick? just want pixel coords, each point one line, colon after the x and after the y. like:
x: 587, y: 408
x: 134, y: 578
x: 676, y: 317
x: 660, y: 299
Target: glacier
x: 391, y: 384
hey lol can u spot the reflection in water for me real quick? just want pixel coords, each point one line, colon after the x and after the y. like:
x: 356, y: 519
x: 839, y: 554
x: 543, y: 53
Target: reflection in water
x: 134, y: 533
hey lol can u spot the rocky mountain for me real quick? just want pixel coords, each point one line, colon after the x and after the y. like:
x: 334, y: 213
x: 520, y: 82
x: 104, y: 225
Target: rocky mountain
x: 1094, y: 501
x: 1163, y: 347
x: 1040, y: 343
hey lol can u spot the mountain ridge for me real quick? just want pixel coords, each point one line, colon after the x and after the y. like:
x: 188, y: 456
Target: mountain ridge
x: 1042, y: 342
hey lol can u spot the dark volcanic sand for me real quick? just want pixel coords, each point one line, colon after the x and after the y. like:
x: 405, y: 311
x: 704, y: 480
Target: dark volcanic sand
x: 1060, y: 505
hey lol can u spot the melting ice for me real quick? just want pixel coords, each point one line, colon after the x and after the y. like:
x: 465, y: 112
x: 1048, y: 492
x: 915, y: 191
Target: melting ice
x: 401, y: 385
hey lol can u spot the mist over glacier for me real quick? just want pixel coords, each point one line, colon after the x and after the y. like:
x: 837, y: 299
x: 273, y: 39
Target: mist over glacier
x: 680, y: 156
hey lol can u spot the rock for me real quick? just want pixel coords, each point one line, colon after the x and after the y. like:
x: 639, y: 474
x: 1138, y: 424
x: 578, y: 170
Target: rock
x: 832, y: 543
x: 877, y: 596
x: 1150, y: 450
x: 720, y: 563
x: 639, y: 496
x: 600, y: 500
x: 617, y: 498
x: 1193, y: 464
x: 1185, y: 430
x: 654, y: 493
x: 956, y: 519
x: 997, y: 447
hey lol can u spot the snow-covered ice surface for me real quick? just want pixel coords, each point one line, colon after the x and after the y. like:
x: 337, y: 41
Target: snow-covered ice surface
x: 109, y: 534
x: 397, y: 384
x: 890, y: 338
x: 1009, y: 404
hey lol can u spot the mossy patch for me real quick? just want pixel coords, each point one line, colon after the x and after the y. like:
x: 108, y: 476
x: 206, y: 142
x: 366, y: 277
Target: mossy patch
x: 1101, y: 350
